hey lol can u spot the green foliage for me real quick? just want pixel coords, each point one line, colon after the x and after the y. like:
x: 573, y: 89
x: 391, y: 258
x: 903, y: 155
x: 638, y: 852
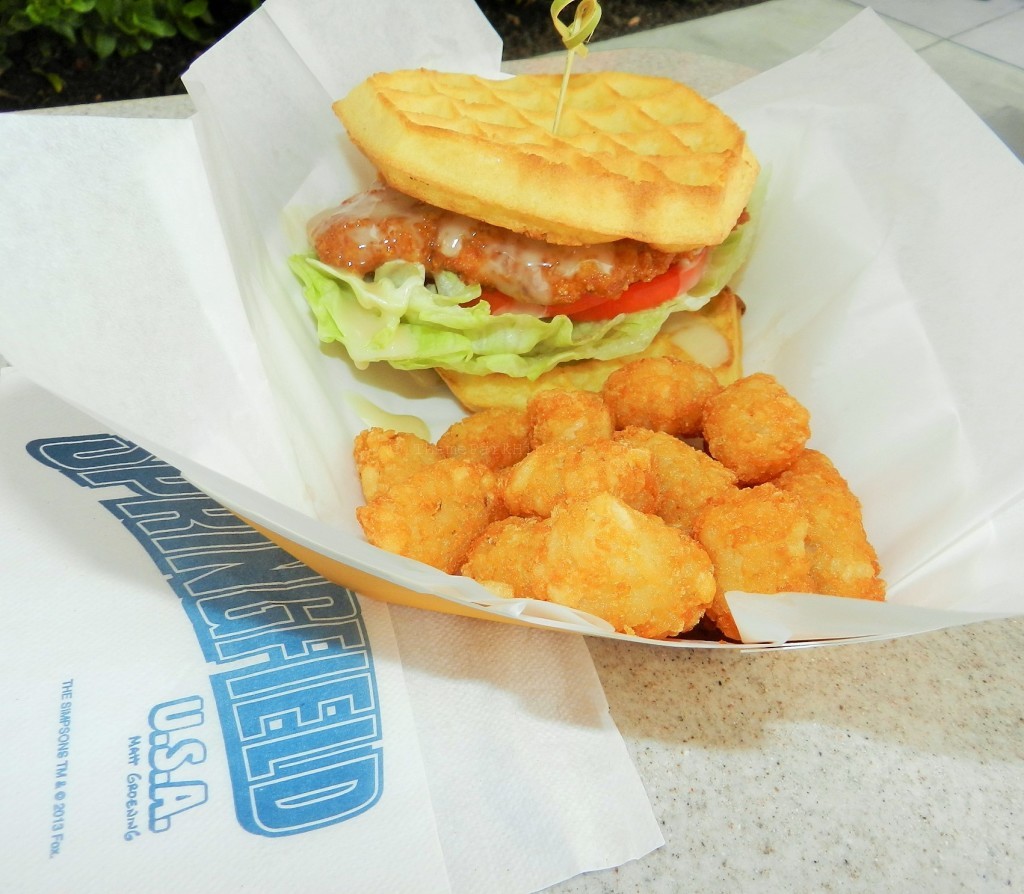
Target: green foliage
x: 106, y: 27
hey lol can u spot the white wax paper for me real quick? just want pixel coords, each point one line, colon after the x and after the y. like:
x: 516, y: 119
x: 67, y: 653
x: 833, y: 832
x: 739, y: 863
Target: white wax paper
x: 878, y: 294
x: 896, y: 212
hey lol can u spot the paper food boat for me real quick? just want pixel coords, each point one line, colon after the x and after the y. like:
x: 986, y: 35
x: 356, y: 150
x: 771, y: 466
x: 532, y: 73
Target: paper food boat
x: 146, y: 281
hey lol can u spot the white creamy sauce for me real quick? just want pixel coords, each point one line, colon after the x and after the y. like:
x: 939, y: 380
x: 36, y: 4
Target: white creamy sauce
x: 515, y: 264
x: 376, y: 417
x: 450, y: 237
x: 702, y: 341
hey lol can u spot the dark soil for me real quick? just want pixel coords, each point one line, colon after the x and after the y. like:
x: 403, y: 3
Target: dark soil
x: 525, y: 27
x: 86, y: 80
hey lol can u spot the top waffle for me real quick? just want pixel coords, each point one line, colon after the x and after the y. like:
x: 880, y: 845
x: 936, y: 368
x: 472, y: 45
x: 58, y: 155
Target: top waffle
x: 635, y: 157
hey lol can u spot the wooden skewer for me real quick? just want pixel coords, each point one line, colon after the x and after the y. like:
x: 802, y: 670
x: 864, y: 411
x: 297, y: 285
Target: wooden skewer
x: 575, y: 37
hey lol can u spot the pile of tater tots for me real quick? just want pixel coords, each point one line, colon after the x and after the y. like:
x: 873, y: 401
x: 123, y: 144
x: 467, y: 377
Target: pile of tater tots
x: 643, y: 504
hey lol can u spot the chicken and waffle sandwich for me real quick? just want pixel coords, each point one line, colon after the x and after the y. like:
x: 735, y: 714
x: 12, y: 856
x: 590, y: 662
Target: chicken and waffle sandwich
x: 511, y: 258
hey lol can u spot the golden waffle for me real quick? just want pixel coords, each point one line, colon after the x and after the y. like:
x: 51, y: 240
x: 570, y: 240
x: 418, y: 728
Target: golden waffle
x: 711, y: 336
x: 635, y: 156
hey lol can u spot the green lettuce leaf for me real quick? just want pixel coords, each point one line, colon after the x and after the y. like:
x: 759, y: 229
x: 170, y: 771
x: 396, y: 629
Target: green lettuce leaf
x: 400, y: 318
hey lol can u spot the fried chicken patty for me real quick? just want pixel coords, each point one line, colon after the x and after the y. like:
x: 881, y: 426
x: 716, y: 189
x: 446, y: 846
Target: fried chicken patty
x: 382, y: 225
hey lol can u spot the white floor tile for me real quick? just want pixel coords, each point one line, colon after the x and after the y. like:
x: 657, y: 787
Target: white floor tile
x: 1002, y: 39
x: 994, y: 89
x: 944, y: 17
x: 763, y: 35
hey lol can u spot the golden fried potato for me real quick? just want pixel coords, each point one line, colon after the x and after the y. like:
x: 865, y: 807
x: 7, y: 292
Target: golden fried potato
x: 756, y: 540
x: 641, y: 575
x: 577, y: 416
x: 384, y: 458
x: 756, y: 428
x: 497, y: 438
x: 559, y: 471
x: 434, y: 514
x: 554, y: 501
x: 687, y: 478
x: 660, y: 393
x: 843, y: 562
x: 509, y: 557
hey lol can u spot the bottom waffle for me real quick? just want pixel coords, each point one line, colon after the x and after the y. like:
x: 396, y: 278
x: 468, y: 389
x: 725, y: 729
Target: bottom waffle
x: 711, y: 336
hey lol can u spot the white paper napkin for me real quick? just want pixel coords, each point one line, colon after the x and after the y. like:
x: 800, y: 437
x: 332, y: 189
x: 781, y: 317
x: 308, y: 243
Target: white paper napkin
x: 145, y: 738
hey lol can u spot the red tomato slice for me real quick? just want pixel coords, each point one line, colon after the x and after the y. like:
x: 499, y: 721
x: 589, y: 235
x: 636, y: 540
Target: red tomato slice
x: 645, y: 295
x: 502, y: 304
x: 589, y: 308
x: 639, y: 296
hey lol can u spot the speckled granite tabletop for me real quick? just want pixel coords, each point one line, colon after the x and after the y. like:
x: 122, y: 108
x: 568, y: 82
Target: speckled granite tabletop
x: 886, y: 767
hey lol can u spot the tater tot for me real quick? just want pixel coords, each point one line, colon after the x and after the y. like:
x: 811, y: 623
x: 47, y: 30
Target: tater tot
x: 686, y: 477
x: 559, y: 471
x: 756, y: 540
x: 384, y: 458
x: 509, y: 557
x: 497, y: 438
x: 641, y: 575
x: 843, y: 562
x: 756, y: 428
x: 577, y: 416
x: 660, y: 393
x: 435, y: 514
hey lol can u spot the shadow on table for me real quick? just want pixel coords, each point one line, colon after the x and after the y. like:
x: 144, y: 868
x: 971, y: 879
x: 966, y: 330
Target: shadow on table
x: 953, y: 692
